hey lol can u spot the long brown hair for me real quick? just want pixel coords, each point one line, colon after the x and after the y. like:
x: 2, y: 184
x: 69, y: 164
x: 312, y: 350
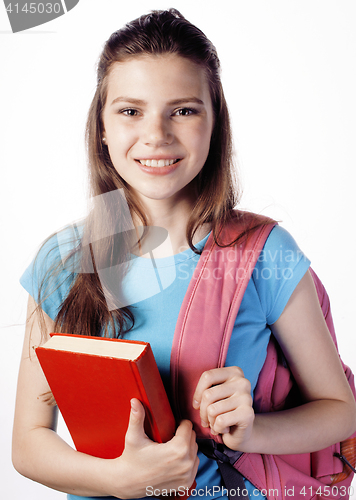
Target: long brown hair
x: 85, y: 309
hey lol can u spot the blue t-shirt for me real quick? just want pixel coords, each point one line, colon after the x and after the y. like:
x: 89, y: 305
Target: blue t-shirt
x: 162, y: 285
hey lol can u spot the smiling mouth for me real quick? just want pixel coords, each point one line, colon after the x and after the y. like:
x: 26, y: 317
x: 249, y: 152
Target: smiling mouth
x: 158, y: 163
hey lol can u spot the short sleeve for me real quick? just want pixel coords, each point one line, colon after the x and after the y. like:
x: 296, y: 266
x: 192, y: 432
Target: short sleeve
x: 50, y: 275
x: 280, y: 267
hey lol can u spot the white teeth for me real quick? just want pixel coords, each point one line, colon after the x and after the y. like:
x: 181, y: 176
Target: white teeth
x: 157, y: 163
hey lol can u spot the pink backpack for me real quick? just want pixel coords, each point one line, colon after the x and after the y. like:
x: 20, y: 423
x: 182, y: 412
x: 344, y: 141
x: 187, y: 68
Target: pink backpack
x: 210, y: 305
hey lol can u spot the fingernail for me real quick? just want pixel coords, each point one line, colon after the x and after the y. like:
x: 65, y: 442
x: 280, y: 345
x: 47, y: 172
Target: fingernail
x: 195, y: 403
x: 204, y: 424
x: 133, y: 408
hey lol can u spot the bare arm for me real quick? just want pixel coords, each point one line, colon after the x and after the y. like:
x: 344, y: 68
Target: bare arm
x: 327, y: 417
x: 41, y: 455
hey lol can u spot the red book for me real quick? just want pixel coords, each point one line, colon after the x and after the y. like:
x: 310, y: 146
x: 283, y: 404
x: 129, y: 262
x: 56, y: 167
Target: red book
x: 93, y: 380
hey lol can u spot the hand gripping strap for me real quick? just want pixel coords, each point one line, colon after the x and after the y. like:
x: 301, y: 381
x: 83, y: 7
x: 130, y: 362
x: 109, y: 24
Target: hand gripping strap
x: 209, y: 310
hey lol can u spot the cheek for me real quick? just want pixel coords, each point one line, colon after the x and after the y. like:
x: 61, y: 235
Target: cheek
x: 120, y: 141
x: 118, y: 134
x: 200, y: 140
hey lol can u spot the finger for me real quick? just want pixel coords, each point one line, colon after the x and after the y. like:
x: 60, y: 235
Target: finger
x: 135, y: 433
x: 226, y: 413
x: 225, y: 405
x: 224, y: 398
x: 214, y: 377
x: 237, y: 436
x: 185, y: 431
x: 185, y: 438
x: 236, y: 421
x: 216, y: 400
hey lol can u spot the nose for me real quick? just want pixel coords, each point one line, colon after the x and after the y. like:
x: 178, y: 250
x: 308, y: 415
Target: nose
x: 157, y: 131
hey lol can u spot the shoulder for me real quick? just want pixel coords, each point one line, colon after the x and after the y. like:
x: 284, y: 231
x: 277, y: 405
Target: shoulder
x: 279, y: 268
x: 280, y: 246
x: 49, y: 276
x: 57, y: 249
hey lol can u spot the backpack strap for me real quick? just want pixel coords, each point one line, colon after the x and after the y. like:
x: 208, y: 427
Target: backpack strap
x: 201, y: 342
x: 210, y: 306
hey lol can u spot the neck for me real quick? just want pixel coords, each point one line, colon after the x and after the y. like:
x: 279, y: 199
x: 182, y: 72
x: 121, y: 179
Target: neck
x: 173, y: 215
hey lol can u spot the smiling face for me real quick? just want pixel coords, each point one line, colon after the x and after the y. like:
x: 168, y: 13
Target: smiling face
x: 157, y: 124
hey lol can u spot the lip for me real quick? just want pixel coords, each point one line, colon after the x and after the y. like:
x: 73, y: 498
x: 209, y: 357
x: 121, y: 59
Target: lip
x: 159, y: 157
x: 159, y: 170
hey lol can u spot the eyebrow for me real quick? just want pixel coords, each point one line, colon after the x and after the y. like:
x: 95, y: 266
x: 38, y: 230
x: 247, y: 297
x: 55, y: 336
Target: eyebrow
x: 140, y: 102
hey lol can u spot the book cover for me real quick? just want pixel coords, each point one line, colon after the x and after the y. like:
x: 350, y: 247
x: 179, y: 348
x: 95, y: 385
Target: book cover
x: 93, y: 380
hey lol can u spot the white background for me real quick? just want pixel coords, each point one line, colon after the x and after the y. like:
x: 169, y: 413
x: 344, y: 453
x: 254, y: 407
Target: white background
x: 289, y: 71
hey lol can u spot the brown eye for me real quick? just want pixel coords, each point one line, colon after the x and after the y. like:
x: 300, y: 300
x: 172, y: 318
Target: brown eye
x: 186, y: 112
x: 129, y: 112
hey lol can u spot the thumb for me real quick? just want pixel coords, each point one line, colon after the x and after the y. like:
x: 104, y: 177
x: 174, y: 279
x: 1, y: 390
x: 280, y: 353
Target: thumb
x: 135, y: 431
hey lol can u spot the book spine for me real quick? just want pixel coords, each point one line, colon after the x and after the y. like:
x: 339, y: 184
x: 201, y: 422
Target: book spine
x: 160, y: 418
x: 159, y: 413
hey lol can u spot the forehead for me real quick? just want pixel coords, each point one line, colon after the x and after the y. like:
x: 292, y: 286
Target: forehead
x: 167, y: 75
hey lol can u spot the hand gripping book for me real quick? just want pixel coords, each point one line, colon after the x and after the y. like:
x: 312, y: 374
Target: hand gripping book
x: 93, y: 380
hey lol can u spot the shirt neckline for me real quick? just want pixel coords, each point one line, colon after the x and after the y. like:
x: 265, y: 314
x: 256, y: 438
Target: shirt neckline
x: 171, y: 260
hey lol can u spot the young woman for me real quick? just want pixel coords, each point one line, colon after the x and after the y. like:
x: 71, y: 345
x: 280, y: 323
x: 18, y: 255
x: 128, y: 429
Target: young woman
x: 159, y: 142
